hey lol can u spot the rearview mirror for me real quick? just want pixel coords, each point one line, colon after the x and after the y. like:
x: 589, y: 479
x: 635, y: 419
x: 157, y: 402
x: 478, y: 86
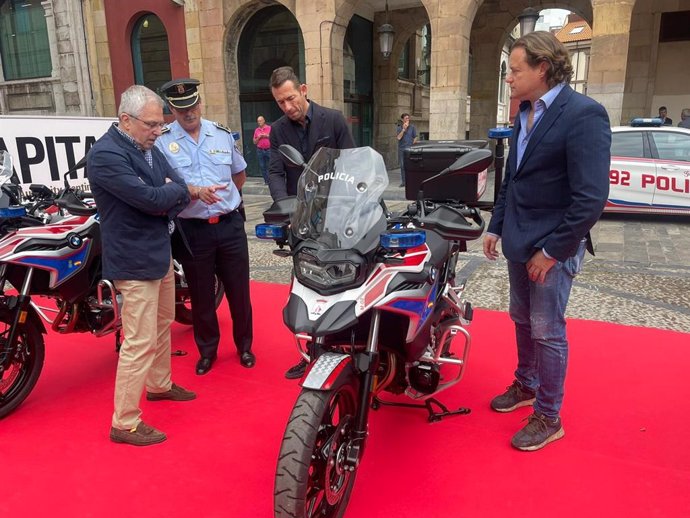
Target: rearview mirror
x: 5, y: 167
x: 76, y: 167
x: 292, y: 155
x: 473, y: 162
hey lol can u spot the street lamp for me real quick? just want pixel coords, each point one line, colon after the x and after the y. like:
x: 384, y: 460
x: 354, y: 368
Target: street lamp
x: 528, y: 20
x: 386, y: 35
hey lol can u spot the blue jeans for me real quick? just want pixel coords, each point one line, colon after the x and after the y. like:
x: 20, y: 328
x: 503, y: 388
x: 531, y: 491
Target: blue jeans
x: 264, y: 156
x: 401, y: 159
x: 538, y: 311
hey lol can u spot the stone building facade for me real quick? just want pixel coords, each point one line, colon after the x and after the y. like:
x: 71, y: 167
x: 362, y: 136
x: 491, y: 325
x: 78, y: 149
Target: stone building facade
x: 61, y: 84
x: 446, y: 56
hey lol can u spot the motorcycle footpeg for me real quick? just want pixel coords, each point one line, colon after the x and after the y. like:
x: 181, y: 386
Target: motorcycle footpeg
x: 468, y: 311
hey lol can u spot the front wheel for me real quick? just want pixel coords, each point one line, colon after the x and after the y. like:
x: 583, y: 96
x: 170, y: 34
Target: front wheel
x: 311, y: 476
x: 18, y: 379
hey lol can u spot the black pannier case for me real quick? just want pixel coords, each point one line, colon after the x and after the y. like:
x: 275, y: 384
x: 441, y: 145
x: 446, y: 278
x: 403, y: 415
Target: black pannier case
x: 425, y: 159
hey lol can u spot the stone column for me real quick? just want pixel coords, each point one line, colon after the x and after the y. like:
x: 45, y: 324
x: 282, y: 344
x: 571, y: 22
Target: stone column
x: 393, y: 96
x: 323, y: 35
x: 99, y: 59
x: 58, y: 97
x: 487, y: 44
x: 81, y: 67
x: 205, y: 25
x: 609, y: 54
x: 451, y: 23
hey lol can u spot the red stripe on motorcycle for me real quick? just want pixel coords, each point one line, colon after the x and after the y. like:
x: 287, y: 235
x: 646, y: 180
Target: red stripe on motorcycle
x: 328, y: 384
x: 378, y: 289
x: 9, y: 247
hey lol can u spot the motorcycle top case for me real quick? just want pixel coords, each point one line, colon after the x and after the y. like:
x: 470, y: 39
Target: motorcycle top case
x: 425, y: 159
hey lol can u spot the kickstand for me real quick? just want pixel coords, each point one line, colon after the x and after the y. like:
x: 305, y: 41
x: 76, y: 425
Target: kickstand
x: 118, y: 341
x: 428, y: 405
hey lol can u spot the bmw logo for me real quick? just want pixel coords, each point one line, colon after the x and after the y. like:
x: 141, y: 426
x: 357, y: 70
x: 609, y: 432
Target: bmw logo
x: 74, y: 240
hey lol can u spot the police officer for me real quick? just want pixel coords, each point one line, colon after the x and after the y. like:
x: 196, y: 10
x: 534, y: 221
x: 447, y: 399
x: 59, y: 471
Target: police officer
x: 203, y: 153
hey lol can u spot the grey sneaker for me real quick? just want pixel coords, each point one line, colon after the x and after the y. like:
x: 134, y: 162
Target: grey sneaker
x: 514, y: 397
x: 141, y: 435
x: 539, y: 431
x: 176, y: 393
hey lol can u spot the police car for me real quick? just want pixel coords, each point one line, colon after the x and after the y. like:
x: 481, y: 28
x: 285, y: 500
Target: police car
x: 650, y: 169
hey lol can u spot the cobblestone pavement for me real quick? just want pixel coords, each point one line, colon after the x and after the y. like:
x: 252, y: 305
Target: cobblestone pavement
x: 639, y: 276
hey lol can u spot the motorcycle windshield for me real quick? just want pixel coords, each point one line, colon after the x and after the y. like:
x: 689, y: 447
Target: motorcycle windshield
x: 338, y: 196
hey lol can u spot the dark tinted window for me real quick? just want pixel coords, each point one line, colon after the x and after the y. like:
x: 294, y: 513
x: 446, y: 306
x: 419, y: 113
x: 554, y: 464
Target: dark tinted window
x: 150, y: 52
x: 629, y: 144
x: 675, y: 26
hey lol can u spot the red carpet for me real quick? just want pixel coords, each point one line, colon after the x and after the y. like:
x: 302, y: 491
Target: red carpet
x: 625, y: 453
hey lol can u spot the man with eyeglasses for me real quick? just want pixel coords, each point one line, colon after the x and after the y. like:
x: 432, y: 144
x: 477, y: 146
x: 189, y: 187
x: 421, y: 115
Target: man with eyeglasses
x: 138, y: 194
x: 203, y: 153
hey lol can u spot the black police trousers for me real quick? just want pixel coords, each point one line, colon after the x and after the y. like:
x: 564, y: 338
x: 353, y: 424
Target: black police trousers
x: 218, y: 248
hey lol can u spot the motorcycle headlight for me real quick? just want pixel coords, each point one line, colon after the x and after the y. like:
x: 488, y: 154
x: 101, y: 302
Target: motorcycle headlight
x: 324, y: 275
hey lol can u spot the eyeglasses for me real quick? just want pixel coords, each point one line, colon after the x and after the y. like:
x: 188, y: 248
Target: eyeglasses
x: 151, y: 124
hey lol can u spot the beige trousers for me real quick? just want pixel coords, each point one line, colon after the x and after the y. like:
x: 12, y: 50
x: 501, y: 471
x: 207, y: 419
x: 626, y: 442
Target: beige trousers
x: 148, y: 310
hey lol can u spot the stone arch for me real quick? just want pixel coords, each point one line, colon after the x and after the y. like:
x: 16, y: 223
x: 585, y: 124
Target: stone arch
x: 242, y: 110
x: 493, y: 24
x: 239, y: 14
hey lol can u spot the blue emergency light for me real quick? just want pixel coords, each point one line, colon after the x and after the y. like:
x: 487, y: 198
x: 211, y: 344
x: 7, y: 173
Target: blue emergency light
x: 12, y: 212
x: 269, y: 231
x: 642, y: 122
x: 402, y: 240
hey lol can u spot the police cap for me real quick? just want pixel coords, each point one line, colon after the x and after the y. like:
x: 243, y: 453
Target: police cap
x: 181, y: 93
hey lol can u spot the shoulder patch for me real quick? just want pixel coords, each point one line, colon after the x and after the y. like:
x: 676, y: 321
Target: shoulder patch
x: 223, y: 127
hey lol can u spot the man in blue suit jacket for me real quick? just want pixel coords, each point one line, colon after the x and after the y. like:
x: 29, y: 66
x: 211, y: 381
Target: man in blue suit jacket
x: 138, y: 195
x: 554, y: 191
x: 306, y: 126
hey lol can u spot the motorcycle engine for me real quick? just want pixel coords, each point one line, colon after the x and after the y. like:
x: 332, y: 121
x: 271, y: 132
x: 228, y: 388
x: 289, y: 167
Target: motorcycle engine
x: 424, y: 377
x: 98, y: 317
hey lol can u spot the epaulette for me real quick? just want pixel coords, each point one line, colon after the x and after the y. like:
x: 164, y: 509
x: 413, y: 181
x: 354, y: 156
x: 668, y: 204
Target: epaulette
x: 165, y: 129
x: 221, y: 126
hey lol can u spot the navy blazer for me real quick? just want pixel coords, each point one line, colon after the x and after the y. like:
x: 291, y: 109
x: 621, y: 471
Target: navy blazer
x: 326, y: 129
x: 559, y: 191
x: 135, y: 204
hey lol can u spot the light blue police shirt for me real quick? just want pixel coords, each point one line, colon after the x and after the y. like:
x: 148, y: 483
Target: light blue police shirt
x: 211, y: 161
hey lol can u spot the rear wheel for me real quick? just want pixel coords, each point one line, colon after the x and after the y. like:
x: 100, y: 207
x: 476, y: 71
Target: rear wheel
x: 18, y: 379
x: 311, y: 476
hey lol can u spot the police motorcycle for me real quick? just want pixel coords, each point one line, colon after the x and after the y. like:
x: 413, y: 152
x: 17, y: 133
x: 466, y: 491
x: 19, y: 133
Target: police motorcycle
x: 374, y: 306
x: 55, y: 270
x: 18, y: 208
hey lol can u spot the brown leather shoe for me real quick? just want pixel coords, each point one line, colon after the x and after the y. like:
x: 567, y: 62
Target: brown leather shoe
x: 142, y: 435
x: 176, y: 393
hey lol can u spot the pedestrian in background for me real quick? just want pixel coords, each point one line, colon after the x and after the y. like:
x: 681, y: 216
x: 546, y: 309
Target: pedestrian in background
x: 684, y: 118
x: 263, y: 146
x: 551, y: 196
x: 406, y: 133
x: 666, y: 121
x: 138, y: 195
x: 204, y: 154
x: 306, y: 126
